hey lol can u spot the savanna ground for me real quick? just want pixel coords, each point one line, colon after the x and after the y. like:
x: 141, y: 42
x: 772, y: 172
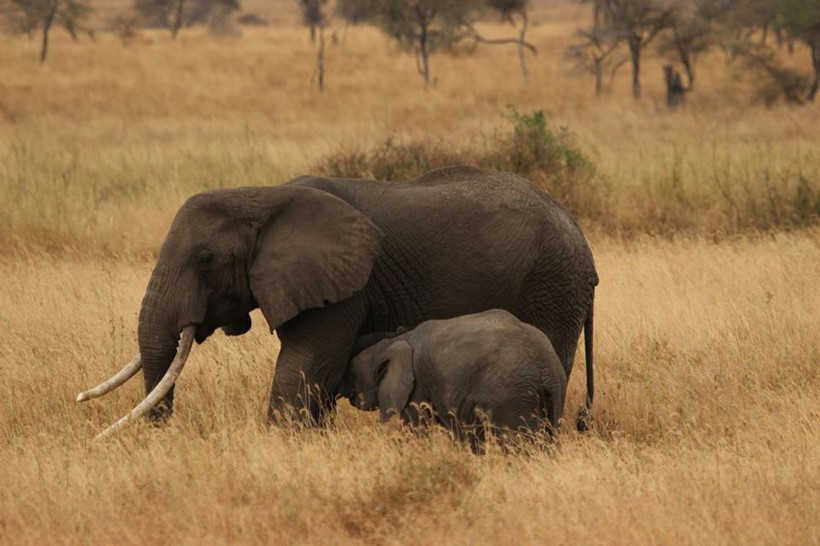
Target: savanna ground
x: 707, y: 417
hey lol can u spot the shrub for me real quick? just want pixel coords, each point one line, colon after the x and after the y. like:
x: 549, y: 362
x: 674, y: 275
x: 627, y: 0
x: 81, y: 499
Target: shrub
x: 391, y: 161
x: 711, y: 198
x: 550, y: 159
x: 530, y: 148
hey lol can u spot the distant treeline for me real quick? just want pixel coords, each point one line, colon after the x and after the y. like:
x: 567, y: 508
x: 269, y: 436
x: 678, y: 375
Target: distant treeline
x: 751, y: 33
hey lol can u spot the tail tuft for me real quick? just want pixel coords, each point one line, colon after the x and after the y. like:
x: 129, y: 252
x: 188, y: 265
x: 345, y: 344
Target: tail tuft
x: 584, y: 419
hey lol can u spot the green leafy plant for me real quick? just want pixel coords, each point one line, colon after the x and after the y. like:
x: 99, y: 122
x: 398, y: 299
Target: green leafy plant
x: 549, y: 158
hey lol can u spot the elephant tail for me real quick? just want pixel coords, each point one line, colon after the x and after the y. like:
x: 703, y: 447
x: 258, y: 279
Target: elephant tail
x: 585, y: 415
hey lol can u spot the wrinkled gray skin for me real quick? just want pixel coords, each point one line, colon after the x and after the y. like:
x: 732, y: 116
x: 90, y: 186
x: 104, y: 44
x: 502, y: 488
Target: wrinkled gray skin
x: 486, y: 365
x: 331, y: 260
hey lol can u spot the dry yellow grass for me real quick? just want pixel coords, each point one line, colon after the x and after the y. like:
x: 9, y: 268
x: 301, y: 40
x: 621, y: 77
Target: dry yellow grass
x: 708, y: 423
x: 106, y: 137
x: 708, y: 408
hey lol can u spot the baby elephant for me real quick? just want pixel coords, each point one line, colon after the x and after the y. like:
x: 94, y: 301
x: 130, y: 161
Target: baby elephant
x: 488, y: 366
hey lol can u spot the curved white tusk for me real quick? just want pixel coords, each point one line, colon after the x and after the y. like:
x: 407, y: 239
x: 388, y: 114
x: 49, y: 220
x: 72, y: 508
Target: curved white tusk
x: 162, y: 387
x: 118, y: 379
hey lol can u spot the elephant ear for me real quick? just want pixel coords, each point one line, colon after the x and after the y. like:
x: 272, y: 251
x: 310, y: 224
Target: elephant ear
x: 312, y: 250
x: 397, y: 385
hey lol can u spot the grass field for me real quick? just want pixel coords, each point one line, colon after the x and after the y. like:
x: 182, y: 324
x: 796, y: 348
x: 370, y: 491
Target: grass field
x: 707, y: 418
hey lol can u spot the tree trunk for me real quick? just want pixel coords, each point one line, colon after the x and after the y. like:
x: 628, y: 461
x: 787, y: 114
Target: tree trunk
x: 425, y: 65
x: 177, y: 24
x: 313, y: 33
x: 675, y: 92
x: 522, y: 37
x: 686, y: 61
x: 635, y: 52
x: 320, y: 60
x: 424, y: 53
x: 599, y: 69
x: 46, y: 28
x: 72, y: 30
x: 815, y: 57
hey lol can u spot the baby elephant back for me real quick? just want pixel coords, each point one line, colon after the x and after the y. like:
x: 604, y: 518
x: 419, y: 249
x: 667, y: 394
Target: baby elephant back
x: 499, y: 368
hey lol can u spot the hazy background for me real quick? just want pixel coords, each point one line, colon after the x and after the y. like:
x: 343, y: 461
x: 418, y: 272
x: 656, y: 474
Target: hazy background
x: 702, y: 218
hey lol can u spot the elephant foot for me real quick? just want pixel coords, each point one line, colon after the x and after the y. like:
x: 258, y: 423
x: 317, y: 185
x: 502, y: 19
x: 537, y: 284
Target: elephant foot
x: 311, y: 411
x: 160, y: 414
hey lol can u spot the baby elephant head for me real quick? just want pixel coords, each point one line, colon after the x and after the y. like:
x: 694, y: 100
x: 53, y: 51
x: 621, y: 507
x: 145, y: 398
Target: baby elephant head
x: 382, y: 375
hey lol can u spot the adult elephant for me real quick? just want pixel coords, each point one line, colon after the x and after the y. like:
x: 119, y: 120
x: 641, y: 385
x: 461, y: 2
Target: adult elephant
x: 330, y: 260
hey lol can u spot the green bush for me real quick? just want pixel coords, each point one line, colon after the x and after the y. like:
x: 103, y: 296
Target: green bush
x: 550, y: 159
x: 530, y: 148
x: 391, y: 161
x: 677, y: 198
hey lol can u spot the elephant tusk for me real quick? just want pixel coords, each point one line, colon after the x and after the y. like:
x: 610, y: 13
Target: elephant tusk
x: 162, y: 388
x: 118, y: 379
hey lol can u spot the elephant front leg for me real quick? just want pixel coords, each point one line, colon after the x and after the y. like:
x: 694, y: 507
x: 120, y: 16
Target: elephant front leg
x: 315, y: 352
x: 298, y: 396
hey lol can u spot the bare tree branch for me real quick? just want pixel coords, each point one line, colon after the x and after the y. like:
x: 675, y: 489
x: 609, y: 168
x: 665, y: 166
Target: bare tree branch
x: 472, y: 33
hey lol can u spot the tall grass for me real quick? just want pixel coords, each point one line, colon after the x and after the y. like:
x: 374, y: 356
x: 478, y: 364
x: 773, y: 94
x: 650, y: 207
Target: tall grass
x: 530, y: 148
x: 706, y: 422
x: 706, y: 419
x: 106, y: 137
x: 758, y: 198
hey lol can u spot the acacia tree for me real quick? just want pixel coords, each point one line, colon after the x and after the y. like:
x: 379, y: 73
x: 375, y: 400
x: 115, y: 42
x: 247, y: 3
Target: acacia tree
x: 596, y: 53
x: 637, y: 22
x: 509, y: 9
x: 691, y: 33
x: 423, y: 26
x: 174, y: 14
x: 749, y: 18
x: 27, y: 15
x: 748, y: 22
x: 313, y: 15
x: 801, y: 20
x: 162, y: 13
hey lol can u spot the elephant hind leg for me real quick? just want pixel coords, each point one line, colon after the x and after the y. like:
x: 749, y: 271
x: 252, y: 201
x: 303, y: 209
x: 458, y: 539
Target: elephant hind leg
x: 556, y: 296
x: 562, y: 326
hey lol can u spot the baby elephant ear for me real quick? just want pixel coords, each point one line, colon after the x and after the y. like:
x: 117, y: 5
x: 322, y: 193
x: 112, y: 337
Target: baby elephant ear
x: 312, y: 250
x: 397, y: 385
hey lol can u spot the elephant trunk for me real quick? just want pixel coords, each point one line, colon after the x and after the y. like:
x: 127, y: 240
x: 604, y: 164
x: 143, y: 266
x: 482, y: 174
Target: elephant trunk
x: 162, y: 389
x: 158, y: 334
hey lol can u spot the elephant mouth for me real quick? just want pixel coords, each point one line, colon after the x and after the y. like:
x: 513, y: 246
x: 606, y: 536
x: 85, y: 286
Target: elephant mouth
x: 234, y: 323
x: 203, y: 332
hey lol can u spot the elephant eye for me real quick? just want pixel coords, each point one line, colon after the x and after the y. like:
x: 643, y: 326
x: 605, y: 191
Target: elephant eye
x: 205, y: 257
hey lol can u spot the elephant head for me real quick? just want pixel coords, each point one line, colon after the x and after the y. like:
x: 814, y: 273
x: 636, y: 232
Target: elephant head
x: 282, y: 249
x: 382, y: 376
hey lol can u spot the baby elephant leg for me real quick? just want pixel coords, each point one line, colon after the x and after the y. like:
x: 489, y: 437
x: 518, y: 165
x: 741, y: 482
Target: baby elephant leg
x: 418, y: 418
x: 473, y: 429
